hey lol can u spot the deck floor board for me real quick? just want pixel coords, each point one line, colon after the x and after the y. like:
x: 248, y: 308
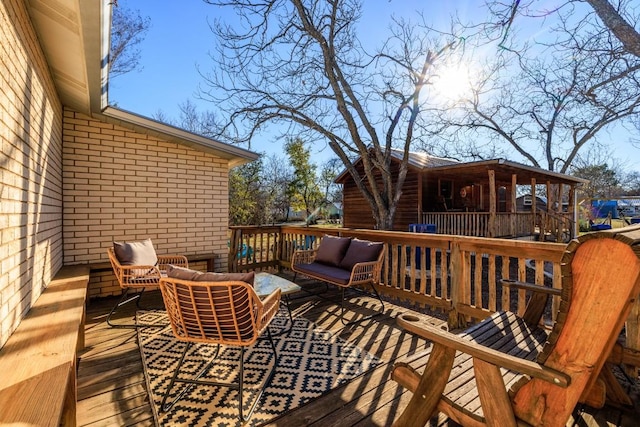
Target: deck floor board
x: 112, y: 388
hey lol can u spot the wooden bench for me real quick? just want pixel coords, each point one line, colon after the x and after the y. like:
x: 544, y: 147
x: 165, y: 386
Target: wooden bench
x: 210, y: 259
x: 38, y: 362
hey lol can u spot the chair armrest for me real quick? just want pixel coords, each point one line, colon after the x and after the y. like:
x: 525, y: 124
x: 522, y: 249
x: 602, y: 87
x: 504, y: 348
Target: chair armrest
x: 530, y: 287
x: 365, y: 271
x: 303, y: 256
x: 177, y: 260
x: 422, y: 328
x: 270, y: 306
x: 273, y: 299
x: 140, y: 275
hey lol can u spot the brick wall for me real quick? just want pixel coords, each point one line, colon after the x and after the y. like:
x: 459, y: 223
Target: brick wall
x: 122, y: 185
x: 30, y: 169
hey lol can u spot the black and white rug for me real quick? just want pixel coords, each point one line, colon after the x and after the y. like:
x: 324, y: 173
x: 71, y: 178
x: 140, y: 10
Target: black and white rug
x: 311, y: 362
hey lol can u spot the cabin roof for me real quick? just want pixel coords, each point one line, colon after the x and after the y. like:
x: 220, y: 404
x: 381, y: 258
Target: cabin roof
x: 504, y: 170
x: 423, y: 160
x: 478, y: 170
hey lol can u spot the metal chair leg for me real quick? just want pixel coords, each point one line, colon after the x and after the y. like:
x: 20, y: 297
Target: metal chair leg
x: 165, y: 407
x: 342, y: 308
x: 239, y: 386
x: 124, y: 300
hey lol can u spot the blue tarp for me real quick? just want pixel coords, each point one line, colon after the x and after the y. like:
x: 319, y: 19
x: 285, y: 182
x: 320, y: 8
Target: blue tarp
x: 422, y: 228
x: 602, y: 208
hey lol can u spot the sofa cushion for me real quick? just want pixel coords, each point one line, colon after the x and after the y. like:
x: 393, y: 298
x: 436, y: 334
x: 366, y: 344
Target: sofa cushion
x: 197, y: 276
x: 325, y: 272
x: 360, y: 251
x: 332, y: 250
x: 135, y: 253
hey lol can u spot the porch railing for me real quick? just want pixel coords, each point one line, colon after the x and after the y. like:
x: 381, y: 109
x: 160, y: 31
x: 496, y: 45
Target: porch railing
x: 457, y: 275
x: 481, y: 224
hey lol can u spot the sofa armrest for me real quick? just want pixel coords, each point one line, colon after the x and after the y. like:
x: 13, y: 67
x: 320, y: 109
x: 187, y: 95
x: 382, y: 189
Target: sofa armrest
x: 303, y: 257
x: 365, y: 272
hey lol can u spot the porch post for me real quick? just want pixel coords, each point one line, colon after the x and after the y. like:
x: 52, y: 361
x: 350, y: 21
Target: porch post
x: 492, y: 203
x: 514, y: 181
x: 561, y: 219
x: 573, y: 225
x: 534, y: 209
x: 419, y: 218
x: 234, y: 244
x: 547, y: 217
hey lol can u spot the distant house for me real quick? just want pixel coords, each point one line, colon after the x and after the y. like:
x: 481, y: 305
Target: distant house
x: 624, y: 206
x: 334, y: 210
x: 629, y: 206
x: 296, y: 215
x: 524, y: 203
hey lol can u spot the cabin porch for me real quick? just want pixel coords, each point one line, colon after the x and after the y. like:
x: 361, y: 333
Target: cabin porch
x: 542, y: 226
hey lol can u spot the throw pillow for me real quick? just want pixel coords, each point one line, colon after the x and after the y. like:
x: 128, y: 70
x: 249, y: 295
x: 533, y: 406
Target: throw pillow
x: 135, y: 253
x: 361, y: 251
x: 332, y: 250
x: 197, y: 276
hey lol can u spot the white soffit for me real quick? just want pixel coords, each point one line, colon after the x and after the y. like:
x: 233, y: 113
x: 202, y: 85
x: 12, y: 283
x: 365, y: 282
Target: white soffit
x: 70, y: 33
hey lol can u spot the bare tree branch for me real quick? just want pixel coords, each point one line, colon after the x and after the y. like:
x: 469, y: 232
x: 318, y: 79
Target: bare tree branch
x: 300, y: 64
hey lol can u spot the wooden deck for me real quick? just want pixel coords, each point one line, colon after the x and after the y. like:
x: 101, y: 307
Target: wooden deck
x: 112, y: 390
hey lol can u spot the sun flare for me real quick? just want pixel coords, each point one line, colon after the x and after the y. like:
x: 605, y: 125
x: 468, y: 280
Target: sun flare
x: 453, y: 82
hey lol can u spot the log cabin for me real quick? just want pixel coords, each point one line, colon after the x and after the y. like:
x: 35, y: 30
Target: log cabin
x: 472, y: 198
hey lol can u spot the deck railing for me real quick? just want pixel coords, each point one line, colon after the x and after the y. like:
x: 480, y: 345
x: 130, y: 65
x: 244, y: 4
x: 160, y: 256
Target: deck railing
x: 461, y: 278
x: 456, y: 274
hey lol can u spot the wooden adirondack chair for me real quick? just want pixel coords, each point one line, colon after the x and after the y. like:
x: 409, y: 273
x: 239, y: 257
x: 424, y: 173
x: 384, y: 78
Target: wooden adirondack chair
x: 506, y: 371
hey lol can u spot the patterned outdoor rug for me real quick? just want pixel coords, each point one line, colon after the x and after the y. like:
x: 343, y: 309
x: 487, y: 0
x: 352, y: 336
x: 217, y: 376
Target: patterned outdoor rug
x: 311, y: 362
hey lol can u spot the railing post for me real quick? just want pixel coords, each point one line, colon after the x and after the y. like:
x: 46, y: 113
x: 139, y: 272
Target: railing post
x: 632, y: 332
x: 456, y: 267
x: 236, y: 237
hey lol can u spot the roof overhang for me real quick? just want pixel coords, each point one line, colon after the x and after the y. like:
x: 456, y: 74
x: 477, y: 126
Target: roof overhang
x: 504, y: 170
x: 235, y: 155
x: 74, y: 36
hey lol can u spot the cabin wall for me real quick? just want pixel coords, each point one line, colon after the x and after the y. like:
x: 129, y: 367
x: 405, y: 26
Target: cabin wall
x: 30, y: 168
x: 357, y: 212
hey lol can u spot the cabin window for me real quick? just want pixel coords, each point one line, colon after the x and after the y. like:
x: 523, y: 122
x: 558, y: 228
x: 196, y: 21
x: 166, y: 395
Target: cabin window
x: 527, y: 201
x: 502, y: 199
x: 446, y: 189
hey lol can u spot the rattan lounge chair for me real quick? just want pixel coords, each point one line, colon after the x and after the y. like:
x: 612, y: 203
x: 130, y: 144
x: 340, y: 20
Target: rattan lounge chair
x: 228, y: 313
x: 134, y: 279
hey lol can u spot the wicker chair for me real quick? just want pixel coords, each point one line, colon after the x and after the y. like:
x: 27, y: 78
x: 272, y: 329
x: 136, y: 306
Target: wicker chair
x: 137, y: 278
x: 228, y: 313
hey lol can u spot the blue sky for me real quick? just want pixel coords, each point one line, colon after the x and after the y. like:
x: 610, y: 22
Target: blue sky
x: 179, y: 41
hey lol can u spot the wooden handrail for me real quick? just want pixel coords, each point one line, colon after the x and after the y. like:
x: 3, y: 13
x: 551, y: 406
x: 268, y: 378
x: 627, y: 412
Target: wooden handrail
x: 434, y: 270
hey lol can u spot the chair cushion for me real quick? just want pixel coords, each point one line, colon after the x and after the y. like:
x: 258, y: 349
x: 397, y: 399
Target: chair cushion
x: 135, y: 253
x: 332, y: 250
x: 361, y: 251
x: 325, y: 272
x: 197, y: 276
